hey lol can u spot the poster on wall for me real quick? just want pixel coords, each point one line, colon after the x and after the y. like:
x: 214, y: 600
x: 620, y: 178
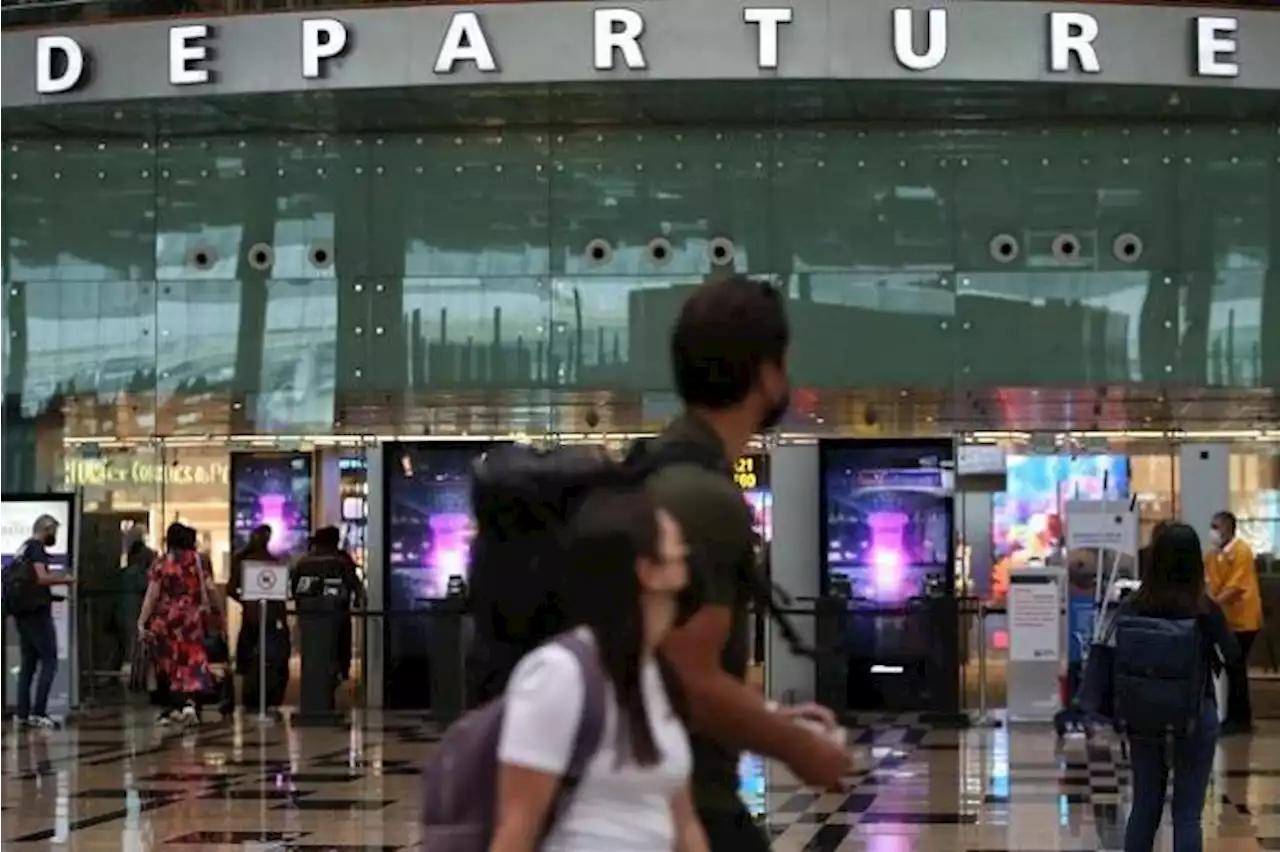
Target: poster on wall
x: 18, y: 515
x: 887, y: 517
x: 275, y: 490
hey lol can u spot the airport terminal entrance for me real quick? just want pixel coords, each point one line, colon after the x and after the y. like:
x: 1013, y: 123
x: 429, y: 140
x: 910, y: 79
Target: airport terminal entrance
x: 885, y: 546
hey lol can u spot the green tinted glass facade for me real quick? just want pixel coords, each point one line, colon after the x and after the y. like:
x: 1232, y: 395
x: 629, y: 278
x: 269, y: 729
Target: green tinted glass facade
x: 301, y: 275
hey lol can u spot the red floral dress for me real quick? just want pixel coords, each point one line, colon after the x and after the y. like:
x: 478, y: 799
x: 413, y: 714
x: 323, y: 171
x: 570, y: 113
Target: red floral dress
x: 178, y: 623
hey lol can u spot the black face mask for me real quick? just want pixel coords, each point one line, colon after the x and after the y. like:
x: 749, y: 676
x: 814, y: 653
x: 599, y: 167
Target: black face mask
x: 49, y: 539
x: 777, y: 411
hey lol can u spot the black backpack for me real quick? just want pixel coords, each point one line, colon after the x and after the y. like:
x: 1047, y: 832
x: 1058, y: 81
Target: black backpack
x: 522, y: 498
x: 1161, y: 675
x: 20, y: 586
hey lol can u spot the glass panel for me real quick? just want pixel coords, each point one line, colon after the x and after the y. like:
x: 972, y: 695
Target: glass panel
x: 1228, y: 199
x: 1061, y: 236
x: 478, y: 332
x: 123, y: 488
x: 634, y: 214
x: 869, y: 263
x: 297, y: 384
x: 1255, y: 496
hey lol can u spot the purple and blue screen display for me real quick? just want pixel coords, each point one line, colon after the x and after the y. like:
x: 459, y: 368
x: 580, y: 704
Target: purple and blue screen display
x: 429, y: 539
x: 274, y: 489
x: 888, y: 519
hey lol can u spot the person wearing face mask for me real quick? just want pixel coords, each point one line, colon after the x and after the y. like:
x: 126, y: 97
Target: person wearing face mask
x: 728, y: 352
x: 30, y: 600
x: 1232, y: 578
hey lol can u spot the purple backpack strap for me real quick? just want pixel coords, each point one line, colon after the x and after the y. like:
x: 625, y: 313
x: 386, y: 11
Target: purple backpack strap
x: 590, y: 726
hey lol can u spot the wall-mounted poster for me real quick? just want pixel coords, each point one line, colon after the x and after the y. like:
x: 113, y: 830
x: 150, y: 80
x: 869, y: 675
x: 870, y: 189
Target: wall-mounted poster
x: 275, y: 489
x: 887, y: 517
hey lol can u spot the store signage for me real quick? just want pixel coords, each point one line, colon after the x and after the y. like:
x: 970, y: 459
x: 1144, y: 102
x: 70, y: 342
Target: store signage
x: 621, y: 40
x: 81, y: 473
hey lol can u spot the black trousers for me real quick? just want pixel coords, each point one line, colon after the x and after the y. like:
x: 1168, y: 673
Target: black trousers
x: 733, y: 831
x: 38, y: 642
x: 1239, y: 710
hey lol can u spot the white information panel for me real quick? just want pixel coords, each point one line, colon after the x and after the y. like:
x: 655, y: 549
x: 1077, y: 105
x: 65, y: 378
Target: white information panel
x: 1108, y: 525
x: 1037, y: 639
x: 265, y: 581
x: 1035, y: 599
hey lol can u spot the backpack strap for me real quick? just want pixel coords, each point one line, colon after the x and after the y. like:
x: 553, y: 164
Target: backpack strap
x: 590, y: 734
x: 645, y: 461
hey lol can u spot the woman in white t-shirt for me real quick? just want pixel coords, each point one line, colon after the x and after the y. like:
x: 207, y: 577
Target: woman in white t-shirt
x: 625, y: 569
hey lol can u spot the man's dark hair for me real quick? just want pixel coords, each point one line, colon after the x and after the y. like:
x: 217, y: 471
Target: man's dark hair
x: 727, y: 330
x: 1228, y: 520
x: 327, y: 538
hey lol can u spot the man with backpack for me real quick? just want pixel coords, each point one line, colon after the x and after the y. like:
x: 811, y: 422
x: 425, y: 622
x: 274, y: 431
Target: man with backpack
x: 728, y: 351
x: 28, y: 597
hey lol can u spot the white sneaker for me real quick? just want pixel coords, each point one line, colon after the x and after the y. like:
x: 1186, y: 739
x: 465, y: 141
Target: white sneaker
x: 46, y: 723
x: 189, y: 716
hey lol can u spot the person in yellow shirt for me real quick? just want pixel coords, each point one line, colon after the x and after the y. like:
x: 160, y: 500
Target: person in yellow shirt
x: 1232, y: 578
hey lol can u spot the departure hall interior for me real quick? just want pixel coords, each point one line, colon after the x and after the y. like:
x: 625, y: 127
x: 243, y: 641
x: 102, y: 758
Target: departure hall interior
x: 1034, y: 312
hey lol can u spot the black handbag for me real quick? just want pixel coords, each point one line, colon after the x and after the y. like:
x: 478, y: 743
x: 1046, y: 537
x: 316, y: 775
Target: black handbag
x: 215, y: 643
x: 1097, y: 683
x: 141, y: 674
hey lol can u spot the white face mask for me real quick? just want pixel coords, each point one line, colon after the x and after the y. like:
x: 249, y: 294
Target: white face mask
x: 1215, y: 538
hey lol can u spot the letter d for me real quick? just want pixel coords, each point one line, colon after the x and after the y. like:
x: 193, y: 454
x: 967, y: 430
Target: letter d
x: 46, y: 48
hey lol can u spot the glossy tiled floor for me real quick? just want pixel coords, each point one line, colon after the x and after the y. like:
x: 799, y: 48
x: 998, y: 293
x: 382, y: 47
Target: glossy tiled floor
x: 120, y: 784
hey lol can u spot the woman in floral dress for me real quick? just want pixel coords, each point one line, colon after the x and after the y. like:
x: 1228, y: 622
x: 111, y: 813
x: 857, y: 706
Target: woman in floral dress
x: 179, y: 610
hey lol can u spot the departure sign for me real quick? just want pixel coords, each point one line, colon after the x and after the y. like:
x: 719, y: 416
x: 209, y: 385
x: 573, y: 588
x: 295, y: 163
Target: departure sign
x: 748, y: 473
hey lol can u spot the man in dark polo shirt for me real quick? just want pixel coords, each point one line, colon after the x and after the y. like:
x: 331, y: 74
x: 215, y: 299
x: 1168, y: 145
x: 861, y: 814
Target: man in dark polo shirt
x: 33, y: 618
x: 728, y: 352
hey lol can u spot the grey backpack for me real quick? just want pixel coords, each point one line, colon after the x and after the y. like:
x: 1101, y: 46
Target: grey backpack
x: 459, y: 794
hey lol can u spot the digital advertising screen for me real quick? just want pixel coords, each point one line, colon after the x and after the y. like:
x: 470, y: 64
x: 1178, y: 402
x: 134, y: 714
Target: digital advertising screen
x: 751, y: 473
x: 275, y: 489
x: 429, y: 516
x: 1026, y: 518
x: 18, y: 515
x: 888, y: 516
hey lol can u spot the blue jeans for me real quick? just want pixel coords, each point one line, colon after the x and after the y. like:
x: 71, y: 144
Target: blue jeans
x: 1192, y: 760
x: 39, y: 643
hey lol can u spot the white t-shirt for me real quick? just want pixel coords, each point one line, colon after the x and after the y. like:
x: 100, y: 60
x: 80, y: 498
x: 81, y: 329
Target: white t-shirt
x: 623, y: 808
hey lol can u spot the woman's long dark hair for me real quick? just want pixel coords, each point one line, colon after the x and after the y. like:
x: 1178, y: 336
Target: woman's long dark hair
x: 1174, y: 582
x: 608, y: 533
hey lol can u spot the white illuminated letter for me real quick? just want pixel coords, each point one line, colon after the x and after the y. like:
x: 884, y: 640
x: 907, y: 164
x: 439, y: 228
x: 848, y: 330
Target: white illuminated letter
x: 182, y: 53
x: 935, y: 40
x: 767, y: 20
x: 619, y: 29
x: 1215, y: 44
x: 46, y: 48
x: 1073, y: 32
x: 322, y: 38
x: 465, y: 42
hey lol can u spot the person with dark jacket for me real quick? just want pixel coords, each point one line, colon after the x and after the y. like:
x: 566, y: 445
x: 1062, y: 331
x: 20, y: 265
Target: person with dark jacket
x: 326, y: 560
x: 279, y: 646
x: 133, y: 586
x: 37, y: 634
x: 1174, y: 588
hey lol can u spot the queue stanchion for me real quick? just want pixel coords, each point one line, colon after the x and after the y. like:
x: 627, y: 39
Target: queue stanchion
x: 264, y: 582
x: 985, y: 719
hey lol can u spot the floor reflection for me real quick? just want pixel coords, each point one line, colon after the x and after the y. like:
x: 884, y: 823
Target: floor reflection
x: 109, y: 784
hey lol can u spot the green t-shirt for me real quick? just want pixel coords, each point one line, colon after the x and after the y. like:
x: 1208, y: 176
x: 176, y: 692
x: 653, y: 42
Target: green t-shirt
x: 716, y: 522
